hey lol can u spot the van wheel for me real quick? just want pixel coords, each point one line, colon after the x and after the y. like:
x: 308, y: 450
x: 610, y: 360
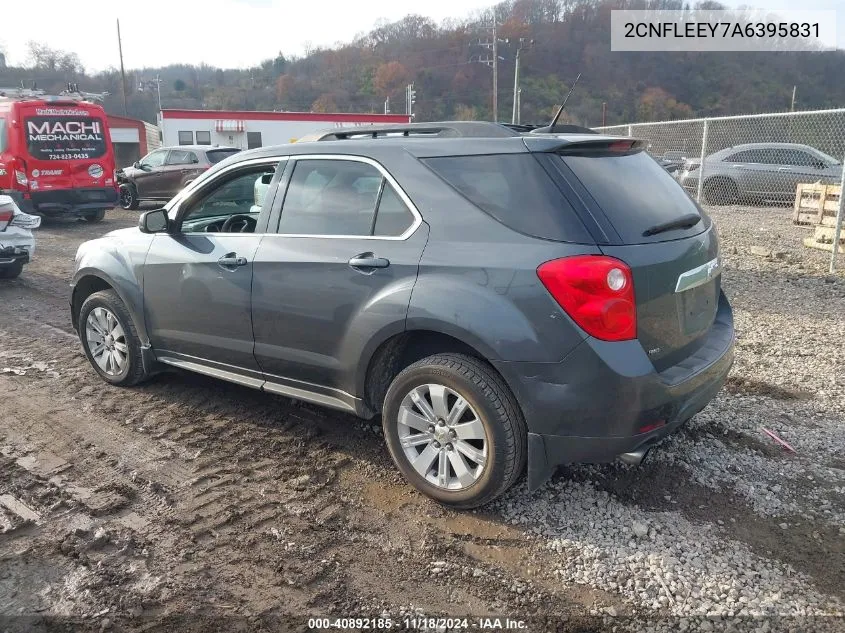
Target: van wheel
x: 95, y: 216
x: 128, y: 197
x: 454, y: 430
x: 110, y: 339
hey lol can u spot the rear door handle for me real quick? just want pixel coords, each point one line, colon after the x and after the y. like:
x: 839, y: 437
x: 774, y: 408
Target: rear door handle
x: 230, y: 261
x: 368, y: 260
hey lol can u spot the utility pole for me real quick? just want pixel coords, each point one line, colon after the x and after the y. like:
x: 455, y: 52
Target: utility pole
x: 603, y: 113
x: 523, y: 43
x: 387, y: 105
x: 794, y: 90
x: 519, y: 105
x: 122, y: 71
x: 492, y: 43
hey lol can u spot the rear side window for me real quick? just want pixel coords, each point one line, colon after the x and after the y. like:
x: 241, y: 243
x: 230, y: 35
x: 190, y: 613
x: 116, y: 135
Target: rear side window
x: 216, y: 155
x: 67, y: 137
x: 515, y: 190
x: 633, y: 190
x: 181, y: 157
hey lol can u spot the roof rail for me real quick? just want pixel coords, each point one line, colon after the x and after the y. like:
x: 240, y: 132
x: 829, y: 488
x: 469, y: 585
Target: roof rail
x: 433, y: 129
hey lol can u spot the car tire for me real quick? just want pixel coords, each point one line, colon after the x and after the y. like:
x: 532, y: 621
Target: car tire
x: 489, y: 403
x: 107, y: 308
x: 128, y: 197
x: 11, y: 271
x: 721, y: 192
x: 96, y: 216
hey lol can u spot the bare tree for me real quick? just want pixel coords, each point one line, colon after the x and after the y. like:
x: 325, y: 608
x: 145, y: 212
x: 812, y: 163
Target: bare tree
x: 44, y: 57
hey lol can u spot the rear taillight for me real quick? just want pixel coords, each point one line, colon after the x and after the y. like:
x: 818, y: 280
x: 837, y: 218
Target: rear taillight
x: 5, y: 217
x: 18, y: 167
x: 596, y: 291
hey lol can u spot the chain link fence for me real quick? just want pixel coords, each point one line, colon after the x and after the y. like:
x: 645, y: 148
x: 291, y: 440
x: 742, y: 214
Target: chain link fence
x: 755, y: 160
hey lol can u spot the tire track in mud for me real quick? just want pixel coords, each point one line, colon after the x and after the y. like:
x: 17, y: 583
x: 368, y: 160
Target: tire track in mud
x: 252, y: 478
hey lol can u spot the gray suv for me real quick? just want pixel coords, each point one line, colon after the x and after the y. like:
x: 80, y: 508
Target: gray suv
x: 504, y: 304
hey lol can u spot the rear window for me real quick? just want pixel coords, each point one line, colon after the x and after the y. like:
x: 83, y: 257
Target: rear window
x: 633, y: 190
x: 216, y: 155
x: 515, y: 190
x: 65, y: 137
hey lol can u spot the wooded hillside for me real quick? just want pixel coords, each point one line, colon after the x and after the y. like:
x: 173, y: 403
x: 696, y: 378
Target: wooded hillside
x: 570, y: 36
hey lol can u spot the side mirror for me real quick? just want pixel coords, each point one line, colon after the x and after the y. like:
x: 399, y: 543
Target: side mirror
x: 155, y: 221
x: 137, y: 164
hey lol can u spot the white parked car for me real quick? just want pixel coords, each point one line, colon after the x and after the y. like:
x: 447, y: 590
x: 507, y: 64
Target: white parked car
x: 17, y: 243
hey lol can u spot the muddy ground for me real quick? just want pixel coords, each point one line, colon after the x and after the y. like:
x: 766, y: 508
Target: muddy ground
x: 191, y: 504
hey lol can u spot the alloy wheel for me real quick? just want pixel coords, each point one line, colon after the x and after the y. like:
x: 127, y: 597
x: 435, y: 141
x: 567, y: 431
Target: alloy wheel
x: 442, y: 436
x: 106, y: 341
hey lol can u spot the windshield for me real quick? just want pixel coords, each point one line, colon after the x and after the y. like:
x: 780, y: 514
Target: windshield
x: 66, y: 137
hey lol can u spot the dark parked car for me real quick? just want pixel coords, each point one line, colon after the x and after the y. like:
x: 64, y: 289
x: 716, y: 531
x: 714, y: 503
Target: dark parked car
x: 536, y: 300
x: 759, y: 172
x: 672, y: 160
x: 162, y: 173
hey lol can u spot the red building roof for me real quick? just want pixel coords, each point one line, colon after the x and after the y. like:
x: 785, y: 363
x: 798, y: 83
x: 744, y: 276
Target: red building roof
x: 264, y: 115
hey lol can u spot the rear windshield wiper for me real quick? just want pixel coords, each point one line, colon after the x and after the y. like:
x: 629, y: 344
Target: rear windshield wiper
x: 684, y: 222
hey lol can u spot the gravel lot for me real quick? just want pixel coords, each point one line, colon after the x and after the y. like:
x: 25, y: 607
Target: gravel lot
x: 190, y: 504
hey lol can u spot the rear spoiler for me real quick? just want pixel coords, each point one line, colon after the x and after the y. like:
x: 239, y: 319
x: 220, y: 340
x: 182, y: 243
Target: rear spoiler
x: 582, y: 143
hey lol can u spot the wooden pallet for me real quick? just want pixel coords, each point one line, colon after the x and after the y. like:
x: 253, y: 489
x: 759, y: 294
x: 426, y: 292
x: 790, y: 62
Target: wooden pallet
x: 816, y: 204
x: 823, y: 238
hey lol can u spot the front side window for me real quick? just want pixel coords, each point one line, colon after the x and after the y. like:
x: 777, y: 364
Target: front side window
x: 342, y: 197
x: 154, y: 159
x: 747, y: 156
x: 186, y: 138
x: 241, y: 194
x: 203, y: 138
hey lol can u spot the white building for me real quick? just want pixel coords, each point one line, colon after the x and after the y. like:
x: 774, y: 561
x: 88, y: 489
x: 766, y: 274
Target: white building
x: 248, y: 129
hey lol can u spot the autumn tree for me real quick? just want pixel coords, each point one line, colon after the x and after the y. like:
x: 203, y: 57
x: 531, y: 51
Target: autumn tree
x: 324, y: 103
x: 389, y: 78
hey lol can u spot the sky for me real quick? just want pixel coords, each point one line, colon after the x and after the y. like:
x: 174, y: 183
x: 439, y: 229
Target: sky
x: 235, y: 33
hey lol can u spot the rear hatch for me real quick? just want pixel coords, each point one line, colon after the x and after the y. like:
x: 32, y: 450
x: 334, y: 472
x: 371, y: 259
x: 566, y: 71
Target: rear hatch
x: 67, y: 145
x: 665, y: 238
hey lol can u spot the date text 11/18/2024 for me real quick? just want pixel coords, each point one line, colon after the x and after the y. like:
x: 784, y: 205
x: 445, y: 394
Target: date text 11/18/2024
x: 418, y: 623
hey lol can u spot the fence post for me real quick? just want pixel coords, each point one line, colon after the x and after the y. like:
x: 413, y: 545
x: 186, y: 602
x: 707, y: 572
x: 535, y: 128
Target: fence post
x: 840, y: 212
x: 701, y: 162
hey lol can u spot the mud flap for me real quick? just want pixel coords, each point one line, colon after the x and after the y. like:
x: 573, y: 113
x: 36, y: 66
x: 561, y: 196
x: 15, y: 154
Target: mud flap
x: 539, y: 469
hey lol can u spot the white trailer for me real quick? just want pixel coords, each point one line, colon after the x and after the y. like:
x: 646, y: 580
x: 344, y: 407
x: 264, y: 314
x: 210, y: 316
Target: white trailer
x: 248, y: 129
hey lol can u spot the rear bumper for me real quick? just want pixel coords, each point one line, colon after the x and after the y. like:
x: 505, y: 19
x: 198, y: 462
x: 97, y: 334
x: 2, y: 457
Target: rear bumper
x: 596, y: 403
x: 66, y: 201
